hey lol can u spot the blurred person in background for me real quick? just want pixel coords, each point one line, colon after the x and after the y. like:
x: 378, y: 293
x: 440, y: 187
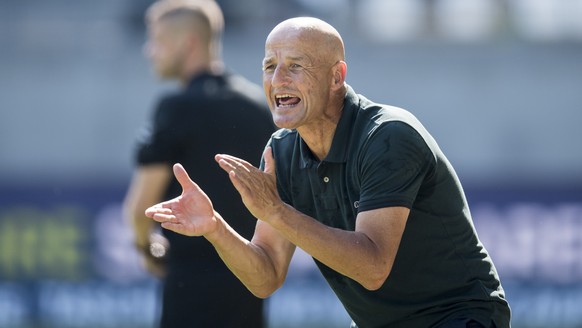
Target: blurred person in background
x: 360, y: 186
x: 214, y: 111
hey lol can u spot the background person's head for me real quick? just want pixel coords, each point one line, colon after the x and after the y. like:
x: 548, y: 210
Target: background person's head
x: 184, y: 37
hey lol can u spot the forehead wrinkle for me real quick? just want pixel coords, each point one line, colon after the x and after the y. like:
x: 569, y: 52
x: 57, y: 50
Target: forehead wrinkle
x: 273, y: 56
x: 291, y: 49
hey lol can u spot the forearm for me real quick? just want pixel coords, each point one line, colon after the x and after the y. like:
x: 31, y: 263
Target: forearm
x: 351, y: 253
x: 146, y: 188
x: 140, y: 224
x: 253, y: 263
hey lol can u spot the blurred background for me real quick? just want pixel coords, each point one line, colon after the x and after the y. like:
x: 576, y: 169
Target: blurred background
x: 497, y: 82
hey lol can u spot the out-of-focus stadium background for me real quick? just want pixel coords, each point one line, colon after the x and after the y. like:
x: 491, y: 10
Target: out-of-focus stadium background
x: 497, y: 82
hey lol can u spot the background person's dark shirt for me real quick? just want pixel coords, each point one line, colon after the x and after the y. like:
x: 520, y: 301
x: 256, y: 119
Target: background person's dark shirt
x: 216, y: 114
x: 381, y: 156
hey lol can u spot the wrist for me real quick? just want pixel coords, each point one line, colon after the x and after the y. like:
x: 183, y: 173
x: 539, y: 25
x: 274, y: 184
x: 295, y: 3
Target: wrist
x: 214, y: 235
x: 280, y: 214
x: 156, y: 245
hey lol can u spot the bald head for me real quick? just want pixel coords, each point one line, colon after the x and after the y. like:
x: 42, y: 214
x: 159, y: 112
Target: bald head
x: 324, y: 38
x: 304, y: 75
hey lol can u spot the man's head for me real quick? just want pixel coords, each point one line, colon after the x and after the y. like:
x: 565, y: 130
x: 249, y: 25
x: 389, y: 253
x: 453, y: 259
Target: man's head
x: 184, y: 36
x: 304, y: 72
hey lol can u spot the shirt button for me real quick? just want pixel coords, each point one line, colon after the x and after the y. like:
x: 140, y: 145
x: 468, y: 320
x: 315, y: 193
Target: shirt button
x: 326, y: 179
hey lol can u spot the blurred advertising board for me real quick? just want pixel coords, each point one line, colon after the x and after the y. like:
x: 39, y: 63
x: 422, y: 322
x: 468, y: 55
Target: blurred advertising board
x: 66, y: 260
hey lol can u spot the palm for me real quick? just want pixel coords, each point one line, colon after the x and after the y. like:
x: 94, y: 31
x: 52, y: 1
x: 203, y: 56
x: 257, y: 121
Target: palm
x: 190, y: 214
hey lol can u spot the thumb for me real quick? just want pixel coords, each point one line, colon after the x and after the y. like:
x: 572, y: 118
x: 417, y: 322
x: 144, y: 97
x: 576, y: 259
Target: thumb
x: 269, y: 161
x: 183, y: 177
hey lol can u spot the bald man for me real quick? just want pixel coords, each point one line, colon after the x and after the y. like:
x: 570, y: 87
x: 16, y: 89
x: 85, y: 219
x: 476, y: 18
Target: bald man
x: 360, y: 186
x: 214, y: 111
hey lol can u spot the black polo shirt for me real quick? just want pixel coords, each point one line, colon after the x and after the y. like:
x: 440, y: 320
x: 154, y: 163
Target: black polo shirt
x: 382, y: 156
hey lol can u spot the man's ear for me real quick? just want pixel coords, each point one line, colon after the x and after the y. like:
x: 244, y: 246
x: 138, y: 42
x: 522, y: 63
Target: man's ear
x: 339, y: 73
x: 192, y: 41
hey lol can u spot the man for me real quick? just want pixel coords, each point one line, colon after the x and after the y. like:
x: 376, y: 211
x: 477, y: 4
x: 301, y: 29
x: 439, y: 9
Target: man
x: 213, y: 111
x: 361, y: 187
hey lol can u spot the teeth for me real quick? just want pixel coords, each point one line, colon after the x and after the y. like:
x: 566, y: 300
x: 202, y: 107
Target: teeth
x: 280, y: 98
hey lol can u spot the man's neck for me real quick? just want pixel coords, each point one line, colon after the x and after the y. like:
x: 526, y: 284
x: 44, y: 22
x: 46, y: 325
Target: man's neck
x: 319, y: 136
x: 198, y: 68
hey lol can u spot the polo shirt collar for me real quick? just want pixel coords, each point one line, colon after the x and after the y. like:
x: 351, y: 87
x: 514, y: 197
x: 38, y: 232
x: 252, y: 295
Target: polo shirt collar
x: 339, y: 146
x: 199, y: 79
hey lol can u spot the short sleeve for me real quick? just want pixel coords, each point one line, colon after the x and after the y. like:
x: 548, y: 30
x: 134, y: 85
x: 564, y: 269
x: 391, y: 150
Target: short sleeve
x: 281, y: 148
x: 394, y: 163
x: 163, y: 140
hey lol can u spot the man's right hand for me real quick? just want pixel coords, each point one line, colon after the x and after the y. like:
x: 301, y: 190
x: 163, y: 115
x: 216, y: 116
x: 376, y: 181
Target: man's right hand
x: 190, y: 214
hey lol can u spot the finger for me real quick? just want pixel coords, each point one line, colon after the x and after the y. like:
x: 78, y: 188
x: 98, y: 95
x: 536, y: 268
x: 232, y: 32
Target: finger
x: 236, y: 181
x: 151, y: 211
x: 176, y: 227
x: 233, y: 165
x: 237, y: 169
x: 269, y: 160
x: 224, y: 163
x: 183, y: 177
x: 158, y: 208
x: 235, y: 162
x: 159, y: 217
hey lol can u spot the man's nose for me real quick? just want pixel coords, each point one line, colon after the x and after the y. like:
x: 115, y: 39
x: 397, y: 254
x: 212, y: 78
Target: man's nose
x: 280, y: 76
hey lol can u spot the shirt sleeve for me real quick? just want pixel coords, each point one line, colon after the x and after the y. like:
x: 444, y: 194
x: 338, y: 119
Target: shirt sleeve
x: 280, y: 165
x: 395, y: 162
x: 163, y: 141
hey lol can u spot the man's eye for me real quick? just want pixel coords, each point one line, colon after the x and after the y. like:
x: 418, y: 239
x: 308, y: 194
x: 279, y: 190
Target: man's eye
x: 295, y: 66
x: 268, y: 68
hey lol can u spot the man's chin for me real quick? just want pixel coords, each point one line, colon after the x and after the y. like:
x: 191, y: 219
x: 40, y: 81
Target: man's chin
x: 285, y: 119
x: 282, y: 123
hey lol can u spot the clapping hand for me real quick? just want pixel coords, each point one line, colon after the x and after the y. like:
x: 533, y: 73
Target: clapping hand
x: 258, y: 189
x: 190, y: 214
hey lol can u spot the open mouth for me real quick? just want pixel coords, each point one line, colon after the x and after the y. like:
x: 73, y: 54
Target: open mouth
x: 286, y: 100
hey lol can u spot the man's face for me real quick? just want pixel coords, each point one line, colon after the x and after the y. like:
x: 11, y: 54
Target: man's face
x: 165, y: 49
x: 296, y: 79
